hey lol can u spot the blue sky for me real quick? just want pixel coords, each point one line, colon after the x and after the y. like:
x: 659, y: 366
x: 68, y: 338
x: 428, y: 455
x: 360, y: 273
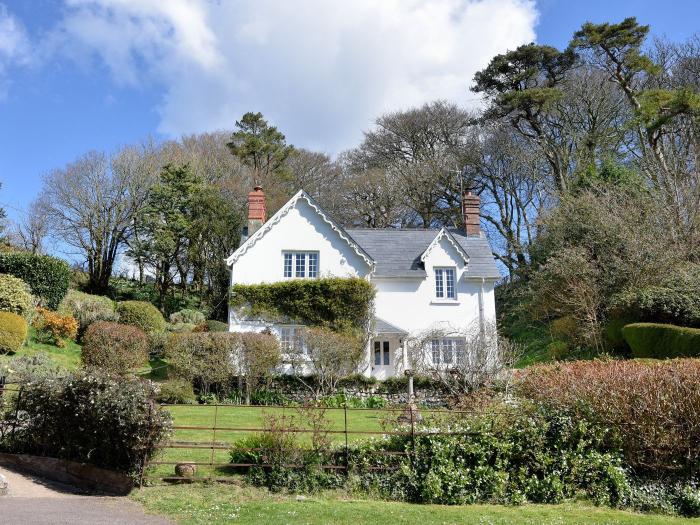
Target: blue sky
x: 96, y: 74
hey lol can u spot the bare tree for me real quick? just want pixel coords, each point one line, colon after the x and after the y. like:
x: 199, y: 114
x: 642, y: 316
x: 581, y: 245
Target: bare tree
x: 463, y: 359
x: 90, y: 205
x: 31, y: 232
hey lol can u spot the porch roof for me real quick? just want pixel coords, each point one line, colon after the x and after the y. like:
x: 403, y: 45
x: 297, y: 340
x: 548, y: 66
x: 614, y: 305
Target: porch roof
x: 383, y: 327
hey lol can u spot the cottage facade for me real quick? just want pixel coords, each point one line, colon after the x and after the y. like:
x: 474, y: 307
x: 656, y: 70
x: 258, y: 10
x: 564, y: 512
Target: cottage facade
x: 426, y: 280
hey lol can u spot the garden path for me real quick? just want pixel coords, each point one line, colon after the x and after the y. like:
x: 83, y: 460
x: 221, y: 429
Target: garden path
x: 34, y: 501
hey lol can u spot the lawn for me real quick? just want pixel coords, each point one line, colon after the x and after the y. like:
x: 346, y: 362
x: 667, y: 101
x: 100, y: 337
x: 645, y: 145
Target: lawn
x: 68, y: 357
x: 219, y: 504
x: 250, y: 418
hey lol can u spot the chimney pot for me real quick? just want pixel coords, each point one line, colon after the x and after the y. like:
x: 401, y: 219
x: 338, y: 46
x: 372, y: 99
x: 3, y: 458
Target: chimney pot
x: 471, y: 206
x: 257, y: 214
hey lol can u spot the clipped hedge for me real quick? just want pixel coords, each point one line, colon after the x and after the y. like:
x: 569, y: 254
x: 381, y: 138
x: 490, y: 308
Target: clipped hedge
x: 336, y: 303
x: 15, y: 296
x: 114, y: 348
x: 187, y: 316
x: 48, y: 277
x: 142, y: 315
x: 662, y: 341
x: 13, y: 332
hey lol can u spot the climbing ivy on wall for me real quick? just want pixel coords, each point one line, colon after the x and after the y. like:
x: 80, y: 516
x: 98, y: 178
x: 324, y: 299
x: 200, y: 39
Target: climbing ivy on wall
x: 341, y: 304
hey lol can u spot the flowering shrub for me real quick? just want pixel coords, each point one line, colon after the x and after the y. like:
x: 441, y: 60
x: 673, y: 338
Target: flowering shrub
x: 15, y: 296
x: 655, y: 408
x: 54, y: 327
x: 111, y: 423
x: 114, y: 348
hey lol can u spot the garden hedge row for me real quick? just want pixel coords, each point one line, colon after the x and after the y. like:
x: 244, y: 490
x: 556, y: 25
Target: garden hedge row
x: 48, y: 277
x: 662, y: 341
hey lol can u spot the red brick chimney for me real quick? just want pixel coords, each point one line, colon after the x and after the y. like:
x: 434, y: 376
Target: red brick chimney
x: 471, y: 205
x: 256, y: 210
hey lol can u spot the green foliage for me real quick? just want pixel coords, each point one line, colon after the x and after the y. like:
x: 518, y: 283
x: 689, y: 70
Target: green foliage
x: 337, y: 303
x: 142, y: 315
x: 114, y: 348
x: 13, y: 332
x: 48, y: 277
x: 15, y: 296
x: 93, y: 419
x: 674, y: 300
x: 342, y: 400
x: 181, y: 328
x: 259, y: 145
x: 662, y: 341
x: 176, y: 392
x: 187, y: 316
x: 266, y: 397
x: 212, y: 326
x: 664, y: 497
x: 87, y: 308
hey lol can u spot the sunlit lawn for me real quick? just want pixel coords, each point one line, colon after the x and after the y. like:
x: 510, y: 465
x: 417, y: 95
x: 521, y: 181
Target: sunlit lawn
x: 68, y: 357
x: 222, y: 504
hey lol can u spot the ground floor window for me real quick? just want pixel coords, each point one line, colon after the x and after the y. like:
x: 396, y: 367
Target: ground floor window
x: 292, y: 339
x: 448, y: 351
x: 382, y: 356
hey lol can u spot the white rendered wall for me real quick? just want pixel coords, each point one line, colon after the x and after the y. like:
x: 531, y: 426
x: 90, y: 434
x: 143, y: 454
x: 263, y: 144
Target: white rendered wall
x: 301, y: 229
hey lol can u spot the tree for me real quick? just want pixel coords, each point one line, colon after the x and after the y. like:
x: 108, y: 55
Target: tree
x: 260, y: 146
x: 257, y: 356
x: 31, y: 233
x: 324, y: 358
x: 90, y: 205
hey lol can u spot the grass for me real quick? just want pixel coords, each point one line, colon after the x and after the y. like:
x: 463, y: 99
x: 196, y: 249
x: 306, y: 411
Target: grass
x: 248, y: 418
x: 68, y: 357
x: 220, y: 504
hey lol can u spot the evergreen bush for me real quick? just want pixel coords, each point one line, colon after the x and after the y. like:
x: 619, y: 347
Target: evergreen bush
x: 13, y: 332
x: 15, y: 296
x: 88, y: 308
x: 142, y: 315
x: 187, y: 316
x: 48, y: 277
x: 176, y: 392
x: 662, y: 341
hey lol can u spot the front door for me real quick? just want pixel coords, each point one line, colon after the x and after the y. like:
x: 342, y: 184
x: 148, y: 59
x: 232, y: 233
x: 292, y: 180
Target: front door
x: 382, y: 359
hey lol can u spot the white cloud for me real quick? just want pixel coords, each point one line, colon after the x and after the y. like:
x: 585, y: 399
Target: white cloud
x: 14, y: 46
x: 321, y: 70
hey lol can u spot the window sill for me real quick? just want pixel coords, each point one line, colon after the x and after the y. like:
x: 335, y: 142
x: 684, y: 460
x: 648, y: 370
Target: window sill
x: 445, y: 301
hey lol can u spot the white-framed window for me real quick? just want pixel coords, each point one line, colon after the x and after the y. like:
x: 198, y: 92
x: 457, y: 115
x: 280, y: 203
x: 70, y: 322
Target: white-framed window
x: 448, y: 351
x: 382, y: 355
x: 300, y: 264
x: 445, y: 283
x: 292, y: 339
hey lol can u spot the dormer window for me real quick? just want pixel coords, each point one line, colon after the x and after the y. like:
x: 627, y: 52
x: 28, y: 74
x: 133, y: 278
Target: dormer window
x: 445, y: 283
x: 300, y: 265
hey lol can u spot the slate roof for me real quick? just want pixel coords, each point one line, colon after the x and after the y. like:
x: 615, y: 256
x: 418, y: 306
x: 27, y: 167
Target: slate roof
x: 397, y: 252
x: 383, y: 327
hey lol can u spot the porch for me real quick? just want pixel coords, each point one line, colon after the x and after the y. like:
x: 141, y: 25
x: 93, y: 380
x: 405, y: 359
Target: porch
x: 387, y: 350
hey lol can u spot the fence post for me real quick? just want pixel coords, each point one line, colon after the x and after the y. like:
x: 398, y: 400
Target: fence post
x: 345, y: 417
x: 17, y: 403
x: 413, y: 435
x: 213, y: 442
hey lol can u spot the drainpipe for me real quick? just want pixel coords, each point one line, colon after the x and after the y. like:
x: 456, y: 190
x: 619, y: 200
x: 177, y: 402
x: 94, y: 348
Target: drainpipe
x: 482, y: 321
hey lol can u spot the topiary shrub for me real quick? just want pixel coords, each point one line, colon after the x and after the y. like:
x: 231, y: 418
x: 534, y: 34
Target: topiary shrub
x: 13, y: 332
x: 48, y: 277
x: 53, y: 327
x: 662, y: 341
x: 88, y: 308
x: 108, y: 422
x: 176, y: 392
x: 181, y: 328
x: 141, y: 314
x: 114, y: 348
x: 15, y: 296
x: 187, y: 316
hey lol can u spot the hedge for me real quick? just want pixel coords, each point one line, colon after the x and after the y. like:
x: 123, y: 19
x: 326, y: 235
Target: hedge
x: 48, y: 277
x: 336, y: 303
x: 141, y: 314
x: 13, y: 332
x: 662, y: 341
x: 15, y: 296
x: 114, y: 348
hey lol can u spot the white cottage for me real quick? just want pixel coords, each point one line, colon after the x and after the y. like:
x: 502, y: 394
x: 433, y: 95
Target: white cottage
x: 425, y: 279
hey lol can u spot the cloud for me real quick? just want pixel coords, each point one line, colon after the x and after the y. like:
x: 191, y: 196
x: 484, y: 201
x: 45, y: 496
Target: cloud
x: 14, y: 46
x: 321, y: 70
